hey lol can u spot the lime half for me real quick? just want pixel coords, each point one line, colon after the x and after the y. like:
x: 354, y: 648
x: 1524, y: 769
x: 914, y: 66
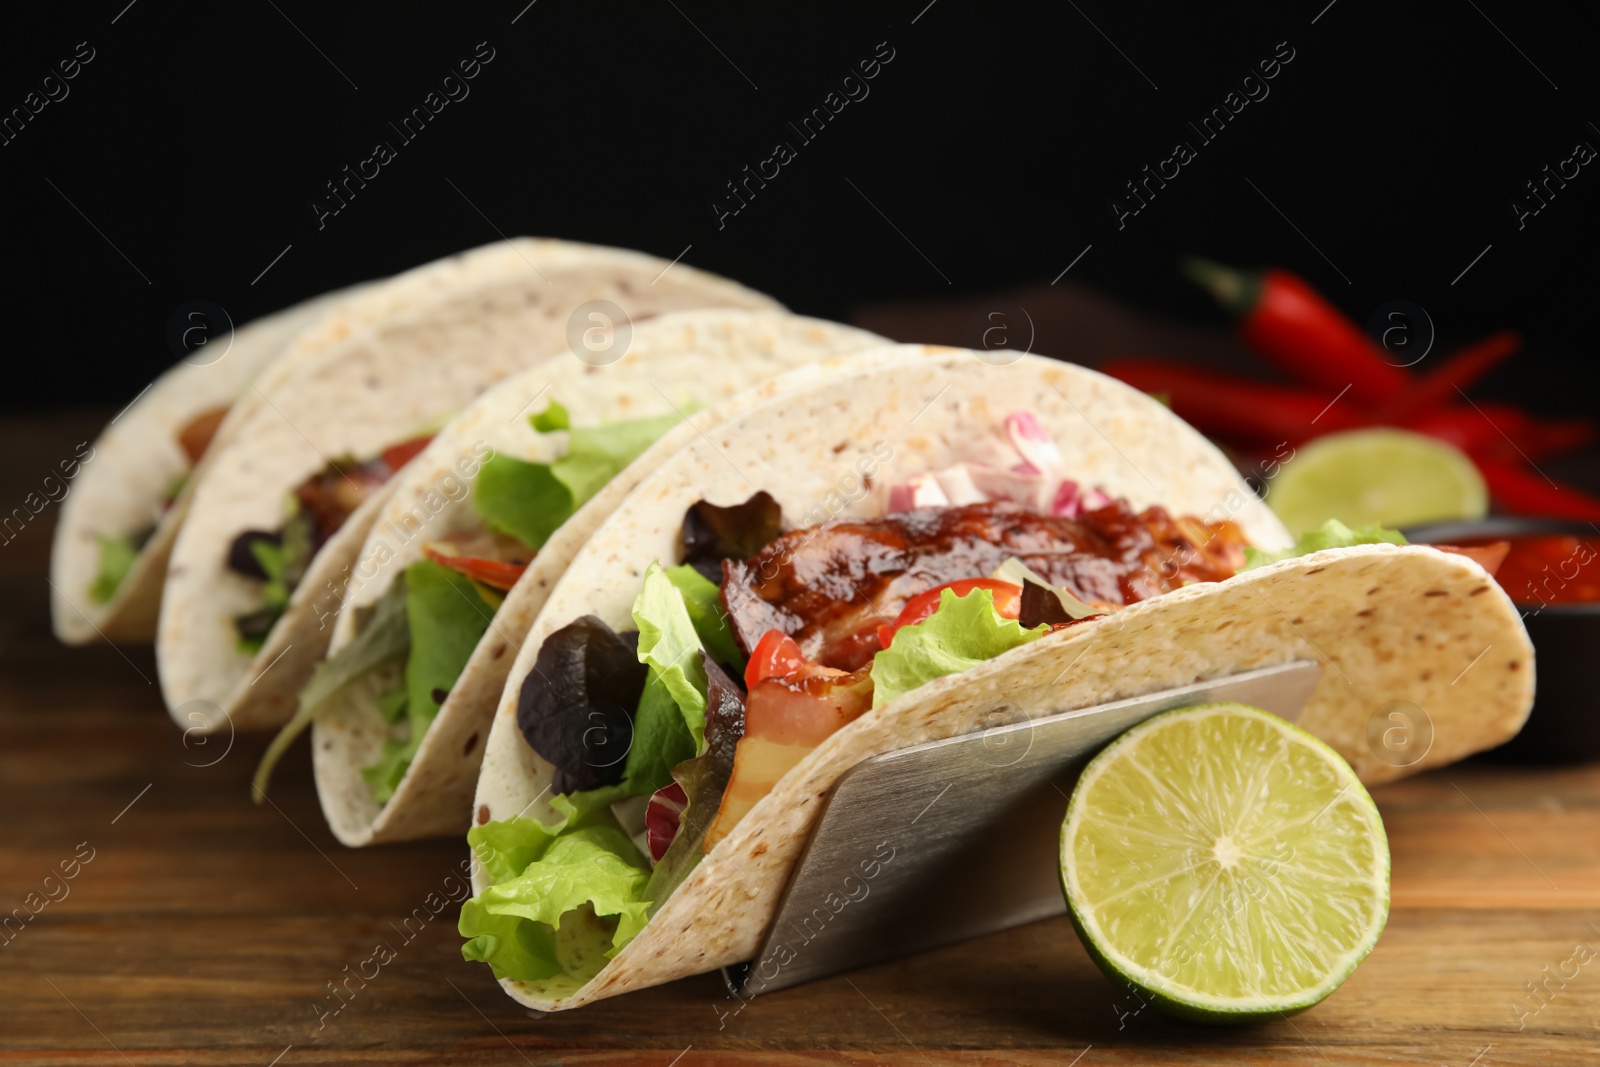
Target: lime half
x: 1384, y: 477
x: 1224, y: 864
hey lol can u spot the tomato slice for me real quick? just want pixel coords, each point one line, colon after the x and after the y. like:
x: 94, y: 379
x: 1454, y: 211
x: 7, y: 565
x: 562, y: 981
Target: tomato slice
x: 775, y: 655
x: 397, y: 456
x: 1007, y: 601
x: 497, y: 574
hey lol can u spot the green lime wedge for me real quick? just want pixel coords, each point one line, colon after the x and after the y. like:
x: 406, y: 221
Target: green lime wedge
x: 1224, y: 864
x: 1376, y: 477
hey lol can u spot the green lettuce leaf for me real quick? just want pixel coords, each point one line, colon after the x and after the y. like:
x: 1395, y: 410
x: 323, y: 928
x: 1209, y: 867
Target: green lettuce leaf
x: 1332, y: 534
x: 552, y: 418
x: 176, y: 487
x: 530, y: 501
x: 595, y: 456
x: 525, y: 500
x: 703, y: 781
x: 505, y: 848
x: 703, y: 599
x: 272, y: 559
x: 284, y: 564
x: 661, y: 739
x: 670, y: 646
x: 679, y: 614
x: 963, y: 632
x: 253, y: 626
x: 116, y: 560
x: 392, y: 705
x: 564, y: 898
x: 381, y: 637
x: 446, y: 618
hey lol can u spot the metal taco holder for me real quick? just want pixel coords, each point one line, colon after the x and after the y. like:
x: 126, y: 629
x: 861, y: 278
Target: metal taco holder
x: 944, y: 841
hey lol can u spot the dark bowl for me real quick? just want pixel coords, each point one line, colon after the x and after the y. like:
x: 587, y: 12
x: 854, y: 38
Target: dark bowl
x: 1565, y: 724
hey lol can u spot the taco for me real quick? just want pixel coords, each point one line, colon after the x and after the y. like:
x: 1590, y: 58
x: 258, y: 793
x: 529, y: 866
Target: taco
x: 287, y: 499
x: 919, y: 550
x: 474, y: 533
x: 132, y: 489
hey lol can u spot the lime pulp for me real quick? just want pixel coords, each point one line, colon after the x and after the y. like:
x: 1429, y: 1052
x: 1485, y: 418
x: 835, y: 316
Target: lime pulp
x: 1379, y: 477
x: 1224, y: 864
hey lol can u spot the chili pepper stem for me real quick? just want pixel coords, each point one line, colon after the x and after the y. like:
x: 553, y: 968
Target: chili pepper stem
x: 1235, y: 290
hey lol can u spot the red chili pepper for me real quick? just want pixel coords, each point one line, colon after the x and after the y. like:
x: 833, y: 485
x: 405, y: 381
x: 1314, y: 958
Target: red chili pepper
x: 1441, y: 386
x: 1477, y: 431
x: 1503, y: 433
x: 1553, y: 438
x: 1237, y: 408
x: 1529, y: 493
x: 1290, y: 323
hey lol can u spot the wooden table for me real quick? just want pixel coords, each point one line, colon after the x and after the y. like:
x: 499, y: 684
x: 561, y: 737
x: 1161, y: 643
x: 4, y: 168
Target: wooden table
x: 205, y: 929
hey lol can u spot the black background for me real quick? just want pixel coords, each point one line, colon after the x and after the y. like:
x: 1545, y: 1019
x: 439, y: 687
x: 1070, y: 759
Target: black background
x: 198, y: 136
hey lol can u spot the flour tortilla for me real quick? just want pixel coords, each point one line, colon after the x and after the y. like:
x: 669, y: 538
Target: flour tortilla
x: 137, y: 457
x: 1386, y: 623
x: 685, y: 361
x: 401, y: 356
x: 121, y: 486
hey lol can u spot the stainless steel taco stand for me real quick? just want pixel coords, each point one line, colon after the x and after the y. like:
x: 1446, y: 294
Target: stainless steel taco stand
x: 936, y: 843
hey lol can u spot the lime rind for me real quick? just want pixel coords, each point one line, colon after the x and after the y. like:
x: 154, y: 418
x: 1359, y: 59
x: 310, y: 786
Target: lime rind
x: 1380, y: 476
x: 1252, y: 796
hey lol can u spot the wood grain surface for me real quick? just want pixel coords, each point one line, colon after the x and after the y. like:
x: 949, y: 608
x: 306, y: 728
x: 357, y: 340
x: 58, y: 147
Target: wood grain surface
x: 205, y: 929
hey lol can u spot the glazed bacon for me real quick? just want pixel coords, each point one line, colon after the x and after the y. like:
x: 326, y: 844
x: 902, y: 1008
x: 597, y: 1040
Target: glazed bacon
x: 830, y: 586
x: 333, y: 494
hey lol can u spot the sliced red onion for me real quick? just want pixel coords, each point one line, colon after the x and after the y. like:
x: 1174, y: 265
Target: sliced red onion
x: 997, y: 483
x: 1039, y: 453
x: 1068, y: 502
x: 1035, y: 481
x: 958, y: 485
x: 661, y: 818
x: 919, y: 491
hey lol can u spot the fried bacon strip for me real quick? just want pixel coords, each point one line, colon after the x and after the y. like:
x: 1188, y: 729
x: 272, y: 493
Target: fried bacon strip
x: 333, y: 494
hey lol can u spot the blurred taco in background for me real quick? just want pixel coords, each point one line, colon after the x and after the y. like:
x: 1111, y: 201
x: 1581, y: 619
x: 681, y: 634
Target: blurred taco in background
x: 476, y: 530
x: 132, y: 489
x: 287, y: 499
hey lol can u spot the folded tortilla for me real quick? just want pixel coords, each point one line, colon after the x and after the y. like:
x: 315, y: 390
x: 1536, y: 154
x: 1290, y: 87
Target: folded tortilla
x: 678, y: 363
x: 1386, y: 623
x: 122, y: 488
x: 394, y: 360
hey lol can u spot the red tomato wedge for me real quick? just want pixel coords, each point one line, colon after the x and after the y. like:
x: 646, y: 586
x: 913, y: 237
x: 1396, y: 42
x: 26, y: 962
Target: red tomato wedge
x: 1007, y: 602
x: 495, y: 573
x: 1488, y: 556
x: 397, y: 456
x: 775, y: 655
